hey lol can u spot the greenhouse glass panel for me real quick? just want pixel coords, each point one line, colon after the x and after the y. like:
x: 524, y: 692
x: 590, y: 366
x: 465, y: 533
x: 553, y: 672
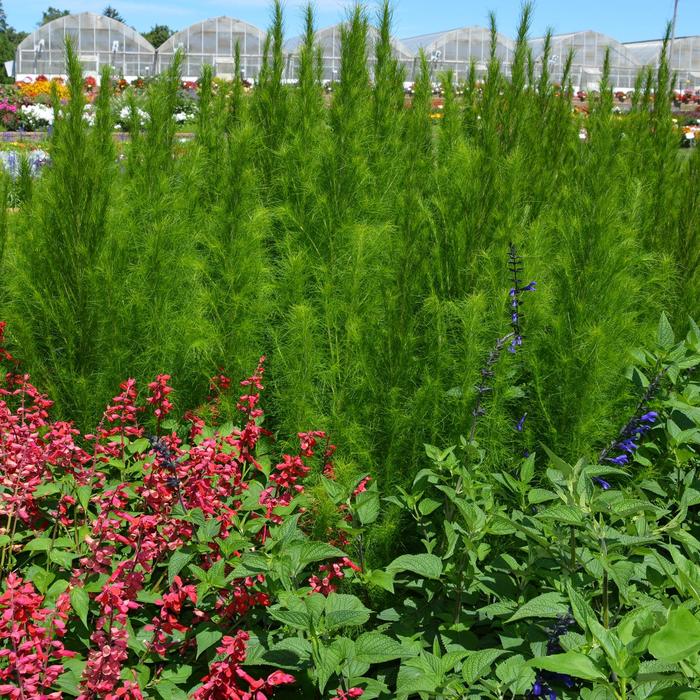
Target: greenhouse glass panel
x: 99, y: 41
x: 588, y: 57
x: 684, y: 58
x: 329, y: 40
x: 213, y: 42
x: 457, y: 49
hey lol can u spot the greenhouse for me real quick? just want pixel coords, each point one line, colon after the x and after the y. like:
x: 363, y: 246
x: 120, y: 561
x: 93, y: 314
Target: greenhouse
x: 329, y: 40
x: 98, y: 40
x: 589, y: 54
x: 685, y: 58
x: 213, y: 42
x: 457, y: 49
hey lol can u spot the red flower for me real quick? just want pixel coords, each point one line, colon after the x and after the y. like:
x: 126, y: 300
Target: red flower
x: 159, y: 391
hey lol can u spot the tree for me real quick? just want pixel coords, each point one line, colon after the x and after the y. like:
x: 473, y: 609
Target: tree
x: 158, y: 34
x: 3, y: 18
x: 112, y: 13
x: 9, y: 40
x: 51, y: 14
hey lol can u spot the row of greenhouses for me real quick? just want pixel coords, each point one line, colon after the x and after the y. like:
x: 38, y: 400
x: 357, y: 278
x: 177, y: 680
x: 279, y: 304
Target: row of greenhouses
x: 104, y: 41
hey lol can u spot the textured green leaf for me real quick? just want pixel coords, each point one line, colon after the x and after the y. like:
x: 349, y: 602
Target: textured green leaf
x: 317, y: 551
x: 684, y: 693
x: 342, y: 610
x: 562, y: 514
x: 535, y: 496
x: 289, y: 652
x: 546, y: 605
x: 580, y: 608
x: 571, y: 663
x: 516, y: 674
x: 38, y: 544
x: 298, y: 619
x: 367, y: 507
x: 678, y: 638
x: 62, y: 558
x: 376, y: 648
x: 478, y: 663
x: 169, y: 691
x: 426, y: 565
x: 177, y: 674
x: 177, y: 563
x: 412, y: 680
x: 326, y: 663
x: 80, y: 602
x: 382, y: 579
x: 206, y: 638
x: 664, y: 334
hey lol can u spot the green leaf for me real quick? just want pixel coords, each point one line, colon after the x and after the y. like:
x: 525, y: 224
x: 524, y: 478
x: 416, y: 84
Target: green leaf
x: 426, y: 506
x: 478, y: 663
x: 367, y: 507
x: 563, y: 514
x: 527, y: 469
x: 298, y: 619
x: 288, y: 653
x: 571, y: 663
x: 317, y: 551
x: 412, y: 680
x: 426, y: 565
x: 580, y: 608
x: 546, y: 605
x: 516, y: 675
x: 381, y: 579
x: 376, y: 648
x: 685, y: 693
x: 62, y: 558
x: 342, y: 610
x: 664, y: 334
x: 678, y: 638
x: 177, y: 563
x: 179, y: 674
x: 84, y: 493
x: 169, y: 691
x: 41, y: 578
x: 39, y: 544
x: 326, y: 662
x: 535, y: 496
x: 46, y: 489
x: 207, y: 637
x: 80, y: 602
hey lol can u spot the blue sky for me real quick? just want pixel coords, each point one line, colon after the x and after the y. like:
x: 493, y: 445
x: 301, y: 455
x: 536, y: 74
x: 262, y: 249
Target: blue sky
x: 626, y: 20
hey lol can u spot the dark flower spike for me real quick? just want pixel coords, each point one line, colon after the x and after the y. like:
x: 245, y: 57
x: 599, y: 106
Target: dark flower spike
x: 602, y: 483
x: 483, y: 388
x: 521, y: 423
x: 515, y: 264
x: 636, y: 427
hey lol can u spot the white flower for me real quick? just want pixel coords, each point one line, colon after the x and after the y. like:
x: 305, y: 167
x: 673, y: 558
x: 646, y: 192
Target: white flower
x: 89, y: 115
x: 125, y: 114
x: 180, y: 117
x: 41, y: 115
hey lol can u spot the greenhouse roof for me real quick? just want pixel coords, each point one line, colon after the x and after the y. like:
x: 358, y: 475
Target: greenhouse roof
x: 217, y: 35
x: 589, y: 49
x: 330, y: 37
x: 97, y: 40
x: 428, y: 41
x: 79, y: 24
